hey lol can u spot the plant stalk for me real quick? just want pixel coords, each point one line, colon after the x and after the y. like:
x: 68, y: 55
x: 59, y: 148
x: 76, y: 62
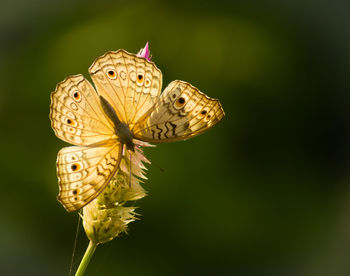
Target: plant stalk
x: 86, y: 259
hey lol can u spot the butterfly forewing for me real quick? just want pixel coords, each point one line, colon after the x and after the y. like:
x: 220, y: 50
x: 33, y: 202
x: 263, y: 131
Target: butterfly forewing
x: 76, y: 115
x: 83, y: 172
x: 131, y: 84
x: 181, y: 112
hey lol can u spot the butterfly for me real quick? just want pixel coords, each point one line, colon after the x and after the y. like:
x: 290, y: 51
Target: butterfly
x: 127, y: 106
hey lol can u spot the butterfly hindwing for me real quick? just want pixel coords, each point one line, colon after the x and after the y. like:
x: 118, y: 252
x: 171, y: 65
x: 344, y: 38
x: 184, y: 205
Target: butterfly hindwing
x: 181, y: 112
x: 83, y: 172
x: 131, y: 84
x: 76, y: 115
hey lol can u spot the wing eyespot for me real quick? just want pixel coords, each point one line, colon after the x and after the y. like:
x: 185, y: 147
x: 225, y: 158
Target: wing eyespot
x: 73, y: 106
x: 139, y: 78
x: 76, y: 191
x: 180, y: 102
x: 75, y: 167
x: 71, y: 122
x: 112, y: 74
x: 72, y: 157
x: 202, y: 114
x: 76, y: 96
x: 132, y: 76
x: 122, y: 74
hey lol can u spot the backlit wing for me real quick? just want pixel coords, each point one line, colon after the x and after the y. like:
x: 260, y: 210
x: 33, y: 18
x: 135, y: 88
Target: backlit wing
x: 83, y: 172
x: 76, y: 114
x: 181, y: 112
x: 131, y: 84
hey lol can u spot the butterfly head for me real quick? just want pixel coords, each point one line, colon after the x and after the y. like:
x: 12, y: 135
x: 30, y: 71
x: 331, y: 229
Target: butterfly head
x: 130, y: 146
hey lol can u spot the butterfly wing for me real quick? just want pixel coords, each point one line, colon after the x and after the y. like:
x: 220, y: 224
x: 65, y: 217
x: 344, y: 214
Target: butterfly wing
x: 76, y: 115
x: 181, y: 112
x: 131, y: 84
x: 83, y: 172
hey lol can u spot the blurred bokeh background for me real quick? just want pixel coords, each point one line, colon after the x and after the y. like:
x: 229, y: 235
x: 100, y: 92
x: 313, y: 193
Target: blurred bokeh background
x: 265, y: 192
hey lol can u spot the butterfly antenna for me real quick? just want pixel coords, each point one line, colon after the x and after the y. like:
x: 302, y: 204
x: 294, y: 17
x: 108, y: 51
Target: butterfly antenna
x: 130, y: 171
x: 158, y: 167
x: 75, y: 246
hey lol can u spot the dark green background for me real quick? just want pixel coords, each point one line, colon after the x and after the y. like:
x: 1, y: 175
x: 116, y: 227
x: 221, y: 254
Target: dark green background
x: 265, y: 192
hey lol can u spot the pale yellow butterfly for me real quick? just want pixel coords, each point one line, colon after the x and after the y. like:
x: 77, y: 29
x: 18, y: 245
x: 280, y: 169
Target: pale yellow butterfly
x: 128, y: 106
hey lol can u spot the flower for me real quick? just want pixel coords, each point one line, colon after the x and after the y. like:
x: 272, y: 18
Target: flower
x: 145, y: 53
x: 106, y: 216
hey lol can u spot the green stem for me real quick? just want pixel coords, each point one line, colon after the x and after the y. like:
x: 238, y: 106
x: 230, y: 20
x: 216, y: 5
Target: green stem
x: 86, y: 259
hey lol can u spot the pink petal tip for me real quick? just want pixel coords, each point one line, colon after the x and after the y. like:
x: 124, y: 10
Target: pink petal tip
x: 145, y: 53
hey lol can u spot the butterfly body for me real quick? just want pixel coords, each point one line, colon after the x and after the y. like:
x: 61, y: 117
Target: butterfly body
x: 121, y: 129
x: 127, y: 107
